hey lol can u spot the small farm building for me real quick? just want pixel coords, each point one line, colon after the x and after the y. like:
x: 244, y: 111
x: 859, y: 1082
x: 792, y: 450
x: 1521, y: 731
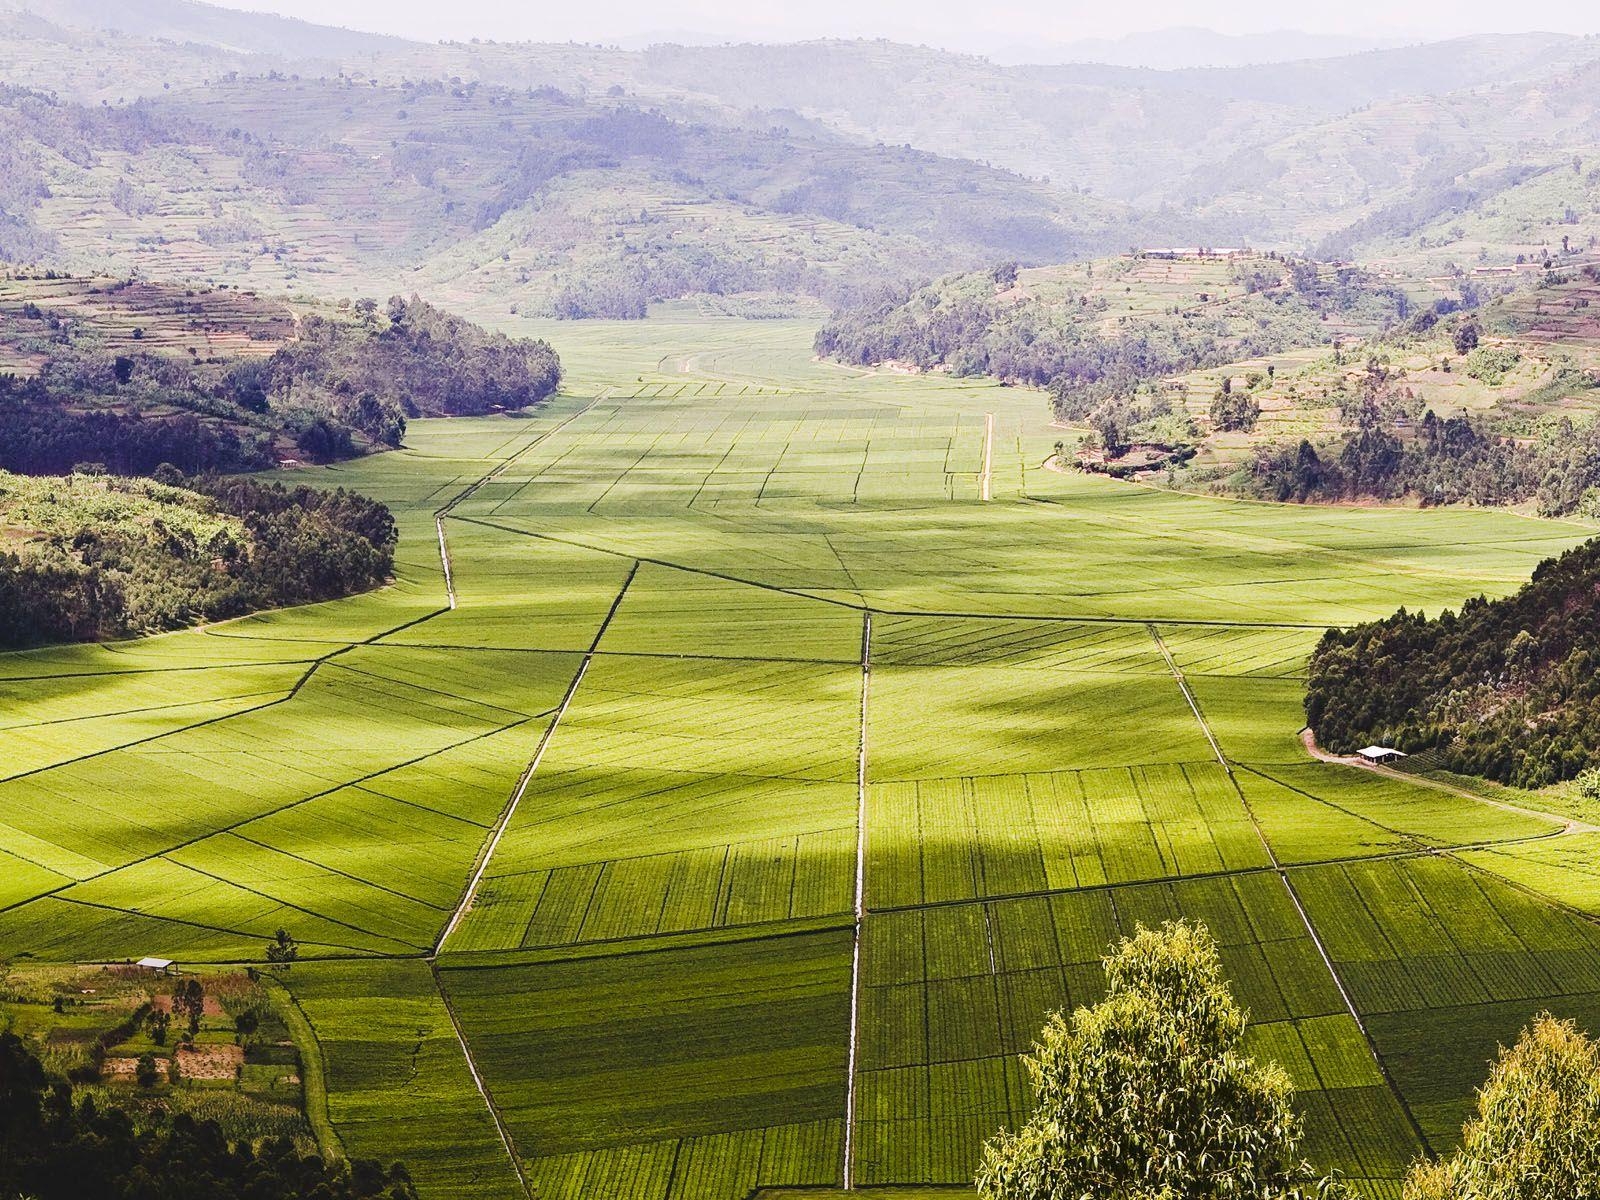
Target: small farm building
x: 161, y: 966
x: 1379, y: 754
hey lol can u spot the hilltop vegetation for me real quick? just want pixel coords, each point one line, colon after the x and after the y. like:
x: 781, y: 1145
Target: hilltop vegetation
x: 1490, y: 405
x: 1104, y: 335
x: 1507, y: 689
x: 90, y: 558
x: 1083, y: 330
x: 131, y: 376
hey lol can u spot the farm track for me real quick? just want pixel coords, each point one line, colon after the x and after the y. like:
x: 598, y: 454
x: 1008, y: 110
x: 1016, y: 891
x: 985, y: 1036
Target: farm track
x: 486, y: 853
x: 860, y: 909
x: 986, y: 479
x: 1568, y: 824
x: 477, y: 1080
x: 510, y: 811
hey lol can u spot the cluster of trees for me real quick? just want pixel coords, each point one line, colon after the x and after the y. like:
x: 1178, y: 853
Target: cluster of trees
x: 1507, y: 689
x: 55, y: 1146
x: 1233, y: 410
x: 46, y: 429
x: 417, y: 361
x: 106, y: 579
x: 1149, y: 1095
x: 1446, y: 460
x: 342, y: 386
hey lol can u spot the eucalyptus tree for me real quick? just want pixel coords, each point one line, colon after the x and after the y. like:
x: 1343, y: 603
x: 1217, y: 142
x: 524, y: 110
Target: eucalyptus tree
x: 1537, y: 1132
x: 1149, y: 1096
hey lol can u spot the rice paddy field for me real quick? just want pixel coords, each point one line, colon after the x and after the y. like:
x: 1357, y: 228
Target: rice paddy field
x: 729, y: 816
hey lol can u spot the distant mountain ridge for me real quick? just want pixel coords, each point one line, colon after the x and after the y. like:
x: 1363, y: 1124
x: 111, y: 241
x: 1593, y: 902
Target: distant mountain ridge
x: 207, y: 24
x: 809, y: 169
x: 1190, y: 46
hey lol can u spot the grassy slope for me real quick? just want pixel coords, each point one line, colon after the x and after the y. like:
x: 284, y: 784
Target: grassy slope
x: 683, y: 855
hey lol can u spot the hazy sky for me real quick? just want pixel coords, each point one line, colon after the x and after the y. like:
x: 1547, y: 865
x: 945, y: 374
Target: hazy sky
x: 942, y: 21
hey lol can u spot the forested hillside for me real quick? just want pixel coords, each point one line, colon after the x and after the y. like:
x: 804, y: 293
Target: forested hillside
x: 1507, y: 689
x: 1491, y: 404
x: 88, y: 558
x: 1104, y: 336
x: 129, y: 376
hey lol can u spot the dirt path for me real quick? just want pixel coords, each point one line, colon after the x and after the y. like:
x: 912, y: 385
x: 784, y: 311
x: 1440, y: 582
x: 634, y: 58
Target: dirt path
x: 860, y: 909
x: 1308, y: 739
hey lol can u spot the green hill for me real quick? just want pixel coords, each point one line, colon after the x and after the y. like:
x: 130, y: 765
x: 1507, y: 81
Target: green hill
x: 130, y: 375
x: 528, y: 200
x: 1506, y: 689
x: 86, y: 558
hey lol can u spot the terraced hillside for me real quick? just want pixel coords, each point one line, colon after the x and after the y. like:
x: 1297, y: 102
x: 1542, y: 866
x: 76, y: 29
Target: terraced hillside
x: 726, y: 788
x: 525, y: 199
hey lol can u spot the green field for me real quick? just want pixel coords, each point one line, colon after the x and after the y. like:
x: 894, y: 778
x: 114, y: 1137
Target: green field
x: 572, y: 845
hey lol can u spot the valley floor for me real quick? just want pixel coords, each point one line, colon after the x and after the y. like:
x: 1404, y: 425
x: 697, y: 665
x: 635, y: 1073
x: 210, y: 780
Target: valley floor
x: 734, y: 815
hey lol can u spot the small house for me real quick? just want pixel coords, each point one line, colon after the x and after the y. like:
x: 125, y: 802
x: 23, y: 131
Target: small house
x: 160, y: 966
x: 1379, y: 754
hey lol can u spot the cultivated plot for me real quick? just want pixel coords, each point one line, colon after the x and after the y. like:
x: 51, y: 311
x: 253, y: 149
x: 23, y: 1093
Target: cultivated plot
x: 641, y: 761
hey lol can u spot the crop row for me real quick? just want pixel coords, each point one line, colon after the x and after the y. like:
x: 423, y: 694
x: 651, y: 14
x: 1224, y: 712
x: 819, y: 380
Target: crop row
x: 939, y: 840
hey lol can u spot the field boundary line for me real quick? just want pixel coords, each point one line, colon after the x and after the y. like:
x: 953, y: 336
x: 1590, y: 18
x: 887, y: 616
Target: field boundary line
x: 477, y: 1079
x: 487, y: 852
x: 230, y: 666
x: 133, y: 712
x: 493, y: 473
x: 289, y: 904
x: 1421, y: 847
x: 1294, y: 896
x: 229, y: 828
x: 663, y: 562
x: 879, y: 610
x: 355, y: 952
x: 860, y: 909
x: 986, y: 478
x: 1308, y: 738
x: 316, y: 664
x: 633, y: 945
x: 1060, y: 618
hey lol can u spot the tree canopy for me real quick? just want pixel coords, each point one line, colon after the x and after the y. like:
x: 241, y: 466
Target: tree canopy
x: 1507, y: 689
x: 55, y: 1146
x: 102, y: 557
x: 1148, y: 1096
x: 1536, y: 1135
